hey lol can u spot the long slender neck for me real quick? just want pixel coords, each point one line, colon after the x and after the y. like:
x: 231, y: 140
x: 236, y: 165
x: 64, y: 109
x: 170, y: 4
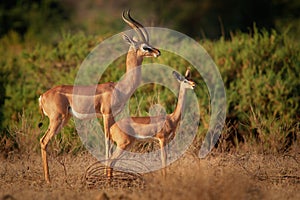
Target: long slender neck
x: 132, y: 79
x: 132, y: 59
x: 176, y: 115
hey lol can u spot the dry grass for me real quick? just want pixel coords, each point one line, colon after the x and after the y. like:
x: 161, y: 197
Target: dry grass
x: 218, y: 176
x: 95, y: 178
x: 235, y: 170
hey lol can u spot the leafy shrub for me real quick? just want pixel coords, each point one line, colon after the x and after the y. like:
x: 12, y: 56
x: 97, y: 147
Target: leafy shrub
x: 260, y: 72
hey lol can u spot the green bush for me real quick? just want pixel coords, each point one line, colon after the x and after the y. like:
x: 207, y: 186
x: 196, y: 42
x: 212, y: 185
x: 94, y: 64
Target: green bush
x: 260, y: 72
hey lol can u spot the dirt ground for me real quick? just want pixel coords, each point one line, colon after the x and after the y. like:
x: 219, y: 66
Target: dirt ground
x: 218, y: 176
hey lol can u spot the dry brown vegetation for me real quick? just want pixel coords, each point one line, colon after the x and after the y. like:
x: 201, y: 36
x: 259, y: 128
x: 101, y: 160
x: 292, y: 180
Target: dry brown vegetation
x: 221, y: 175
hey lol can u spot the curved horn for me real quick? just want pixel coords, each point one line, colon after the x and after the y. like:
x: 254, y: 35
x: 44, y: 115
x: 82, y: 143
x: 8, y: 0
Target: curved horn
x: 133, y: 25
x: 140, y: 26
x: 127, y: 21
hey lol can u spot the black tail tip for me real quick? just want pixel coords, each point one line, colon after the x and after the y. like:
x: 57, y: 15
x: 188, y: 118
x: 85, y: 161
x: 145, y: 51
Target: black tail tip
x: 40, y: 124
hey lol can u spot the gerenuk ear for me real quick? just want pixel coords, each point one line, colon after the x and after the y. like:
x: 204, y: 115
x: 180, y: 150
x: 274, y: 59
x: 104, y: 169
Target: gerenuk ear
x: 188, y: 74
x: 178, y: 76
x: 129, y: 40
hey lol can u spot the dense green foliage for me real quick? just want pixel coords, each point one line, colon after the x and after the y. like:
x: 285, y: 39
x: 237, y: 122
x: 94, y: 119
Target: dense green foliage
x: 260, y: 72
x: 260, y: 69
x: 261, y: 76
x: 43, y: 20
x: 38, y: 20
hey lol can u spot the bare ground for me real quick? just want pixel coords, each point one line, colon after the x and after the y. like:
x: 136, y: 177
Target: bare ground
x: 218, y: 176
